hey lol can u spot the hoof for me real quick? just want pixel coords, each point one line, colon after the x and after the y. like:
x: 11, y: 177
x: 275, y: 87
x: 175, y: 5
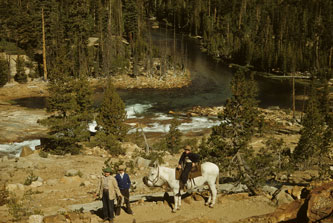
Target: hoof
x: 206, y: 204
x: 211, y: 206
x: 173, y: 211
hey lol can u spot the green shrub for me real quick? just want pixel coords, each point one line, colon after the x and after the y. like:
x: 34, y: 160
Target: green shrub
x: 4, y: 72
x: 173, y: 138
x: 43, y: 154
x: 20, y: 208
x: 20, y: 75
x: 31, y: 178
x: 3, y: 195
x: 109, y: 143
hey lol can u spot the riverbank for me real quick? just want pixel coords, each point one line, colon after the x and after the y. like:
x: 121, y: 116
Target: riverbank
x: 38, y: 87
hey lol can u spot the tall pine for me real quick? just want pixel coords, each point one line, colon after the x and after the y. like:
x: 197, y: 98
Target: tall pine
x: 228, y: 143
x: 69, y: 104
x: 111, y: 119
x: 4, y: 72
x: 308, y: 149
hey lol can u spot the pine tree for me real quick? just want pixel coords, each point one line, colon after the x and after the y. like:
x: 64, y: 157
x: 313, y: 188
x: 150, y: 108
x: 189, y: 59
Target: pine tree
x: 270, y: 160
x: 78, y: 29
x: 307, y: 151
x: 70, y: 105
x: 230, y: 140
x: 173, y: 138
x: 111, y: 118
x: 20, y: 75
x: 4, y: 71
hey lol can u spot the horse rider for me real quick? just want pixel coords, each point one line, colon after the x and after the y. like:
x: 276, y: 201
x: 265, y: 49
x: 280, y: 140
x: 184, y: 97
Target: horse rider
x: 187, y: 161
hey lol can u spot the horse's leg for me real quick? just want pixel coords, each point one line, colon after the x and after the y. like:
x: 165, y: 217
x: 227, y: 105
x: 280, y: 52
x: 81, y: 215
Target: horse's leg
x: 209, y: 197
x: 213, y: 192
x: 179, y: 201
x: 177, y: 198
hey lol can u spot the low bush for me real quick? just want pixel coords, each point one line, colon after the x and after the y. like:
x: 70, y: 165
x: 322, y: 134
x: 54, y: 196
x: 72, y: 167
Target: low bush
x: 3, y: 195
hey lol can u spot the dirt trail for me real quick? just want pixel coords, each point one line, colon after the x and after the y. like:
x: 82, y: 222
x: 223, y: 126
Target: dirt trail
x: 229, y: 208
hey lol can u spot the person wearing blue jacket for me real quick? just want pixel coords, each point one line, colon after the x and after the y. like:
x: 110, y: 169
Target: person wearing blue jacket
x: 124, y: 184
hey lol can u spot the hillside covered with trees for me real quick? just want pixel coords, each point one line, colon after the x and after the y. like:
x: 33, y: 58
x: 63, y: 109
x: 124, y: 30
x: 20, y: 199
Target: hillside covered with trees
x: 273, y: 36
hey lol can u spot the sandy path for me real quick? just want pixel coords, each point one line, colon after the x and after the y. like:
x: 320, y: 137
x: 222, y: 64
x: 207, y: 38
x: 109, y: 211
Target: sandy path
x: 229, y: 208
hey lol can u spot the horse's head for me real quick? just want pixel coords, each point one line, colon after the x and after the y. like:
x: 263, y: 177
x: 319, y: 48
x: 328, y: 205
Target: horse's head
x: 154, y: 177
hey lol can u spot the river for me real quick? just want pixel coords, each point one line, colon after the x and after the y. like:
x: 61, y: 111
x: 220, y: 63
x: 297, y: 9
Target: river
x: 210, y: 87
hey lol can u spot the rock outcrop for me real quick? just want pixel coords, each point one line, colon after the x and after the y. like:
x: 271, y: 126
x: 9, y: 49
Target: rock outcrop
x: 317, y: 207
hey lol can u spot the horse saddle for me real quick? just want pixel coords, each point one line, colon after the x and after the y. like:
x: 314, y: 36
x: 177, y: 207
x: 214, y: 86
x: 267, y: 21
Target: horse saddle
x: 195, y: 172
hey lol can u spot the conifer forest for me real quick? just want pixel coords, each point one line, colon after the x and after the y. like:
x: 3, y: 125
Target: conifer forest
x: 273, y: 36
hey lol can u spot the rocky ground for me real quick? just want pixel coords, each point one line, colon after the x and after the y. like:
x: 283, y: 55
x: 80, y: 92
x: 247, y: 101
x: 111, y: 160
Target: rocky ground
x: 63, y: 181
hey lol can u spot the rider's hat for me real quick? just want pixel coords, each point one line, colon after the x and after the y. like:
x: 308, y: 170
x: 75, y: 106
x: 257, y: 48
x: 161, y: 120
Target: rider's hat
x: 188, y: 147
x: 122, y: 167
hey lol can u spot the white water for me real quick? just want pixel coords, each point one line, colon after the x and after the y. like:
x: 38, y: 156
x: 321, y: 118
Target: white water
x: 14, y: 149
x: 135, y: 111
x: 193, y: 124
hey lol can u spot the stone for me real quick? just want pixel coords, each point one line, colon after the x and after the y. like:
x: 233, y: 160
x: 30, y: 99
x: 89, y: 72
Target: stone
x: 55, y: 218
x: 130, y: 147
x: 283, y: 198
x: 93, y: 177
x: 52, y: 182
x: 93, y: 206
x: 14, y: 187
x: 231, y: 188
x: 86, y: 183
x: 20, y: 186
x: 35, y: 184
x: 141, y: 162
x: 74, y: 217
x: 71, y: 172
x: 70, y: 180
x: 36, y: 219
x: 320, y: 204
x: 4, y: 159
x: 26, y: 151
x: 287, y: 212
x: 269, y: 189
x: 11, y: 187
x: 296, y: 192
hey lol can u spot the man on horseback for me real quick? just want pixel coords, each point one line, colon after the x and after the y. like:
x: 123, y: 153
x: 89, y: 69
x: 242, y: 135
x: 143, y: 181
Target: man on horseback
x: 187, y: 161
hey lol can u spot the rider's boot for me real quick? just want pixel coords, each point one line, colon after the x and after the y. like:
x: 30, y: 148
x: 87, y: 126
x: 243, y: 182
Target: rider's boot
x: 181, y: 186
x: 184, y: 188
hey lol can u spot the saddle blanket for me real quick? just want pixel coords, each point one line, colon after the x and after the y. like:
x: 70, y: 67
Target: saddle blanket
x: 195, y: 172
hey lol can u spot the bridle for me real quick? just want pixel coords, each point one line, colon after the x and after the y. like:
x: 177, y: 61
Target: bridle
x: 157, y: 178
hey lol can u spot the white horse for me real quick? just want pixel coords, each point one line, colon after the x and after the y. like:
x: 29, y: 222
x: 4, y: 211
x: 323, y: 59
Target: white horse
x: 159, y: 175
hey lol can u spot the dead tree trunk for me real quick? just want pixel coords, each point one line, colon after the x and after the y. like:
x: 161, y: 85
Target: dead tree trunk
x: 44, y: 46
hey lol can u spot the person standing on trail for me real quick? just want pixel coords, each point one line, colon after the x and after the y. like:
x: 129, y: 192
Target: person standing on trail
x: 187, y: 161
x: 124, y: 184
x: 107, y: 190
